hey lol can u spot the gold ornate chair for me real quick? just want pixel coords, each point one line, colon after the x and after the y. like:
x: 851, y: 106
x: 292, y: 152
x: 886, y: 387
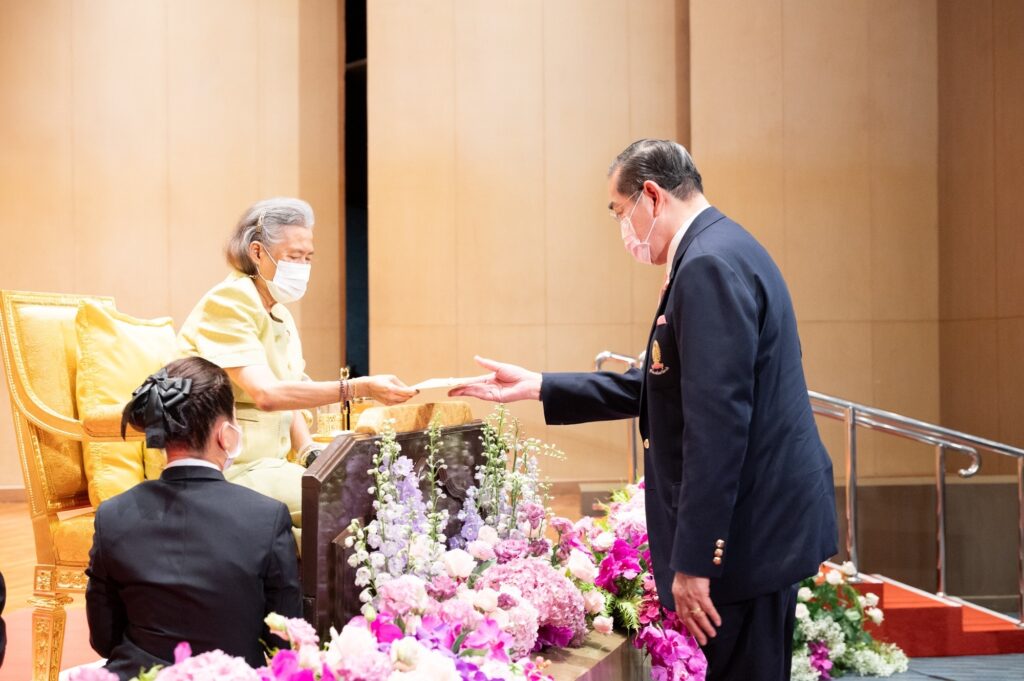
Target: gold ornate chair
x: 37, y: 335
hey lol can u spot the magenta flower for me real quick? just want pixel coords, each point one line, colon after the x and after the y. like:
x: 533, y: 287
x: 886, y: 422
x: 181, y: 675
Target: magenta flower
x: 622, y: 561
x: 182, y: 652
x: 819, y: 659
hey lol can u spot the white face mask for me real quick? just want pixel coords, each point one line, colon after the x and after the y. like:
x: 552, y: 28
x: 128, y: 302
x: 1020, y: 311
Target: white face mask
x: 233, y: 453
x: 289, y: 283
x: 640, y: 250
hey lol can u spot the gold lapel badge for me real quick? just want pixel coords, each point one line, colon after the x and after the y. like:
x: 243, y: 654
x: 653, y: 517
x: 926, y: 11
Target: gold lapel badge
x: 657, y: 368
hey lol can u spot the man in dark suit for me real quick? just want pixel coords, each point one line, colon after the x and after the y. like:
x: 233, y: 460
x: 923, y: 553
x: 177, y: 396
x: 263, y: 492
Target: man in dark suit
x: 740, y: 496
x: 189, y: 557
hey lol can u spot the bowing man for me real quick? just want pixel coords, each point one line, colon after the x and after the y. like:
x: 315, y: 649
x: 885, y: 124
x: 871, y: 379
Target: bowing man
x: 740, y: 496
x: 189, y: 557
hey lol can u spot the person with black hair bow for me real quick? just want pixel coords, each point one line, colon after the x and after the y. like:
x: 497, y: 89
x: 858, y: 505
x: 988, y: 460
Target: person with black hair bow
x: 190, y: 556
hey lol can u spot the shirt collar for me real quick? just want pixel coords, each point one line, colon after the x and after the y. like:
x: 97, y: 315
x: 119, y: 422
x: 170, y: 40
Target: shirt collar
x: 192, y: 461
x: 673, y: 245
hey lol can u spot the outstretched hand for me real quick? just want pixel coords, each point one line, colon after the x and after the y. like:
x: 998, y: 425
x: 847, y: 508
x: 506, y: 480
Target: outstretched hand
x: 387, y: 389
x: 506, y: 383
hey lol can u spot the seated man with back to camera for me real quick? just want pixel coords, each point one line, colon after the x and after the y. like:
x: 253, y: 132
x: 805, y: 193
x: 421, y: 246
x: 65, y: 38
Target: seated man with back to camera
x: 190, y: 556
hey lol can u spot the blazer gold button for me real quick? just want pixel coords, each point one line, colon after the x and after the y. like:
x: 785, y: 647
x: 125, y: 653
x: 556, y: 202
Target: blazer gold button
x: 647, y: 443
x: 717, y: 560
x: 720, y: 543
x: 718, y: 553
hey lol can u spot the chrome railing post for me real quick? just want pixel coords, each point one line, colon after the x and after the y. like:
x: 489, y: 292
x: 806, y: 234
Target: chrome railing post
x: 851, y: 487
x: 1020, y: 542
x: 634, y: 362
x: 940, y: 518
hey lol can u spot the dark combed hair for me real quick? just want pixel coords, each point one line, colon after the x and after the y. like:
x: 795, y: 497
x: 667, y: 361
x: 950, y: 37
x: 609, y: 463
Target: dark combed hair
x: 179, y: 404
x: 665, y: 162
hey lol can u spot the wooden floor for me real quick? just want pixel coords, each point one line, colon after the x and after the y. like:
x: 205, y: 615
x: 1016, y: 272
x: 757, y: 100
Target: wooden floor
x: 17, y: 554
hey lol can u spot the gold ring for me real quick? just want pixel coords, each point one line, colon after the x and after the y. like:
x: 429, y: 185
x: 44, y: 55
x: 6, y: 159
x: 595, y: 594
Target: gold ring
x: 696, y: 611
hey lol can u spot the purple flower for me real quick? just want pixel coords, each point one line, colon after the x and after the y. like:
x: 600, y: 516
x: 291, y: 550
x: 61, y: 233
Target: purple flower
x: 547, y: 635
x: 539, y: 548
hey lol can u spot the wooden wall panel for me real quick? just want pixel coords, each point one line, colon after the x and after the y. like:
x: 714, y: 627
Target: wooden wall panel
x: 981, y: 162
x: 134, y: 134
x: 799, y: 137
x: 488, y: 223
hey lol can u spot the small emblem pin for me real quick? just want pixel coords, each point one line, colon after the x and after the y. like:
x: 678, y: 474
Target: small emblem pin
x: 657, y: 368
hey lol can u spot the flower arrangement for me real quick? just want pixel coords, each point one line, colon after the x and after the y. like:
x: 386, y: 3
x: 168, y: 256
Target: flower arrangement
x: 618, y: 544
x: 830, y: 638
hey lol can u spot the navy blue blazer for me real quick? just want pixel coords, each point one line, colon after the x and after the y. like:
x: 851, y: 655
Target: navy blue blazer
x: 189, y: 557
x: 739, y: 485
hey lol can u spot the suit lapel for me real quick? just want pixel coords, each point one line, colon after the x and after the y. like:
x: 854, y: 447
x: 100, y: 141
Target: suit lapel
x: 707, y: 217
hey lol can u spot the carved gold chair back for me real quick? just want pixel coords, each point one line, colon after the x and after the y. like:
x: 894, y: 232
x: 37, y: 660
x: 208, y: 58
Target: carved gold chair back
x: 38, y: 343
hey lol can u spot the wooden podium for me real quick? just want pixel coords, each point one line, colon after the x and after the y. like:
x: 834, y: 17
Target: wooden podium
x: 335, y: 491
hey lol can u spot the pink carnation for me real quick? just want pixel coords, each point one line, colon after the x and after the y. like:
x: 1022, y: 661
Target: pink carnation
x: 558, y: 602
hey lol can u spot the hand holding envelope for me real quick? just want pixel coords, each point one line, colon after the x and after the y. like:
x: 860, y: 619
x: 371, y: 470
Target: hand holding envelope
x: 505, y: 383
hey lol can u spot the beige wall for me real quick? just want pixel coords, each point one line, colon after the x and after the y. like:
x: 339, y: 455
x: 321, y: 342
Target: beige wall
x: 133, y: 134
x: 981, y: 219
x: 491, y: 125
x: 815, y: 125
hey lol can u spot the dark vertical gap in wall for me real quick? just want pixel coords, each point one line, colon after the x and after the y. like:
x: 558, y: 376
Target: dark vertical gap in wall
x: 683, y: 73
x: 357, y: 331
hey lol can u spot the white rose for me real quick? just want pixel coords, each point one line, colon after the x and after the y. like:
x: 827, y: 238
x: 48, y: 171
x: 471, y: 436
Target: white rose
x: 603, y: 625
x: 593, y: 601
x: 581, y: 567
x: 802, y: 612
x: 481, y: 550
x: 351, y: 641
x: 849, y: 569
x: 500, y: 618
x: 875, y: 615
x: 309, y: 658
x: 458, y: 564
x: 486, y: 600
x: 834, y: 577
x: 604, y: 541
x: 804, y: 594
x: 488, y: 535
x: 406, y: 653
x: 871, y: 599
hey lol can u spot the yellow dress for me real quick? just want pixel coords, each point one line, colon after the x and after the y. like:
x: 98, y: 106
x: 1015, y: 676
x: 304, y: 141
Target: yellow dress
x: 230, y: 327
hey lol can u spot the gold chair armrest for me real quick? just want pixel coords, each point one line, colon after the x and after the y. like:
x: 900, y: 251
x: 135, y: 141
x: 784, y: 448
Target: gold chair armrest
x: 105, y: 425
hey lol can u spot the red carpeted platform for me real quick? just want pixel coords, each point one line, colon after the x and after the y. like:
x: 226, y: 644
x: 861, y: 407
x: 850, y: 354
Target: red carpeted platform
x: 18, y: 662
x: 926, y: 625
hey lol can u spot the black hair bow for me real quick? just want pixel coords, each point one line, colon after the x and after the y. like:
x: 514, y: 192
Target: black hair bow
x: 154, y: 404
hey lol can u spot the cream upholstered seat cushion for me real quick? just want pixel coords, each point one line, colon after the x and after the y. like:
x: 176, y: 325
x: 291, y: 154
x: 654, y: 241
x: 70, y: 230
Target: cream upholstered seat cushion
x: 116, y: 352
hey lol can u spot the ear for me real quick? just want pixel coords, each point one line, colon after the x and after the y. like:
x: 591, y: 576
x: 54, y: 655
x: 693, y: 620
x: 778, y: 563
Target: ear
x: 255, y: 251
x: 656, y: 194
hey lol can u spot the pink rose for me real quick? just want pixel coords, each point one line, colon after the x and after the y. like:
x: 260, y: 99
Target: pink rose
x: 603, y: 625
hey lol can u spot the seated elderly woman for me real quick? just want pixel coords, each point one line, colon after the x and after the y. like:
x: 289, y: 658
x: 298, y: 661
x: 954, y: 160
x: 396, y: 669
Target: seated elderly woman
x: 188, y: 557
x: 243, y: 326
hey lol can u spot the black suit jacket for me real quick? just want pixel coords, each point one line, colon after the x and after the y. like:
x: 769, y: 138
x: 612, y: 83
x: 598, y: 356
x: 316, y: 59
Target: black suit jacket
x: 189, y: 557
x: 734, y: 466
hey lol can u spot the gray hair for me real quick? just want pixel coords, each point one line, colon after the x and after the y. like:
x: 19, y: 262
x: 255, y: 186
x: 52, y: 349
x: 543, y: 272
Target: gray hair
x: 665, y: 162
x: 264, y: 221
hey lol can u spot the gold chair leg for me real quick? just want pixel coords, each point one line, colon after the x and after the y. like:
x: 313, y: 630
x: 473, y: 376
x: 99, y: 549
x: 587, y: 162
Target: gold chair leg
x: 48, y: 620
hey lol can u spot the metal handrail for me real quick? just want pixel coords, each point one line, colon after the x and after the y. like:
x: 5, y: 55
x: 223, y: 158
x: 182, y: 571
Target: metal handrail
x: 634, y: 363
x: 890, y: 423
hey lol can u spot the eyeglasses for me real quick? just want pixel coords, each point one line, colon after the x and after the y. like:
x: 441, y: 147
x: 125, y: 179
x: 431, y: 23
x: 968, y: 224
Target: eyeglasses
x: 627, y: 221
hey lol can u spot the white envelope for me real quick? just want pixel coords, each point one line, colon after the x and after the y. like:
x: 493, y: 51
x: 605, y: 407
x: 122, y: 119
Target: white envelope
x: 448, y: 383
